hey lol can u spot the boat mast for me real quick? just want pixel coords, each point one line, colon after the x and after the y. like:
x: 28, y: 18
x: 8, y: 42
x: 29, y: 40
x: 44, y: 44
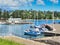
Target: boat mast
x: 53, y: 15
x: 46, y: 17
x: 29, y: 19
x: 37, y: 18
x: 34, y: 19
x: 53, y: 18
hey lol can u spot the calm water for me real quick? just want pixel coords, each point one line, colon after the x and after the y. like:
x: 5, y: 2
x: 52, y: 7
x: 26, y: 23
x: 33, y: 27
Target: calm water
x: 18, y: 29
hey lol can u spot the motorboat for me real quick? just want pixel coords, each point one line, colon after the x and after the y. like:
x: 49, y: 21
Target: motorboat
x: 35, y: 32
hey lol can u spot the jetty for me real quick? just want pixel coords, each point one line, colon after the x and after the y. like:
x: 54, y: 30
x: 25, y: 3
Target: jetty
x: 17, y: 21
x: 49, y: 40
x: 53, y: 36
x: 20, y: 23
x: 55, y: 32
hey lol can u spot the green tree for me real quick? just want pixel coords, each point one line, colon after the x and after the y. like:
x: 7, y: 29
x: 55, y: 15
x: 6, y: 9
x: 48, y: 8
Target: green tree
x: 0, y: 13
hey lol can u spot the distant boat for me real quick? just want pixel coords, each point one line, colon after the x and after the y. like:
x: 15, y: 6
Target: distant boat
x: 2, y: 22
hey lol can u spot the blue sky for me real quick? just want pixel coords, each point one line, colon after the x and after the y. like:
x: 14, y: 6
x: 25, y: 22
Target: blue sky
x: 30, y: 4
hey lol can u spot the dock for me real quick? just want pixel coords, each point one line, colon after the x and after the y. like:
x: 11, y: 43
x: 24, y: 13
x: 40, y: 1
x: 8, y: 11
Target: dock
x: 53, y: 36
x: 57, y: 27
x: 20, y: 23
x: 24, y: 23
x: 53, y: 33
x: 49, y: 40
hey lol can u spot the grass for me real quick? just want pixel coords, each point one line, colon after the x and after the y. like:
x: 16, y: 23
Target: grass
x: 7, y: 42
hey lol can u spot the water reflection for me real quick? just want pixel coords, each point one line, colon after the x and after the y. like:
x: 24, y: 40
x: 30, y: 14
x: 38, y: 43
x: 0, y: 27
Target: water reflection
x: 4, y: 30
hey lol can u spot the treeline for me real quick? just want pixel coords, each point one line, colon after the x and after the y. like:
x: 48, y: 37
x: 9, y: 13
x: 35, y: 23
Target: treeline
x: 29, y: 14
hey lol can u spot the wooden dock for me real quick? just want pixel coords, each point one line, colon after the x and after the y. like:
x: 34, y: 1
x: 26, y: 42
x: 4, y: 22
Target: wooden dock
x: 57, y: 27
x: 53, y: 33
x: 49, y: 40
x: 24, y: 23
x: 52, y: 40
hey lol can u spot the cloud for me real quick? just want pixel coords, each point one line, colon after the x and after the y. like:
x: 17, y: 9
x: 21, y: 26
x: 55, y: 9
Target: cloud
x: 40, y: 2
x: 1, y: 1
x: 15, y: 3
x: 8, y: 3
x: 26, y: 2
x: 54, y: 1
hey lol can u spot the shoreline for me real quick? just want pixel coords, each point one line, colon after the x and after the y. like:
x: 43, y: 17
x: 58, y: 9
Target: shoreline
x: 35, y: 19
x: 40, y: 19
x: 32, y: 42
x: 22, y: 40
x: 39, y: 41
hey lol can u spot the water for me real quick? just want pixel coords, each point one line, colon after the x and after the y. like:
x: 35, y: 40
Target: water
x: 18, y: 29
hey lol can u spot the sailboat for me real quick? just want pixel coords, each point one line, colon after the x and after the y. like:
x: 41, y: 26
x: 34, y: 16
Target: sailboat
x: 38, y: 29
x: 34, y: 32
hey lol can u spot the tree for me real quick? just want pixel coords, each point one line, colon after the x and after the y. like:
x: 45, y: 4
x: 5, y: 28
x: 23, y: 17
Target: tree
x: 5, y: 14
x: 0, y: 13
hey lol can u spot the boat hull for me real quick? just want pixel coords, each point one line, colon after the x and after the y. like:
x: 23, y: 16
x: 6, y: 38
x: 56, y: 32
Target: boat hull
x: 31, y: 34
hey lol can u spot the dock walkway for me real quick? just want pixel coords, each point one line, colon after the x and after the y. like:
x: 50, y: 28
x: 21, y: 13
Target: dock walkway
x: 49, y: 40
x: 55, y: 32
x: 54, y: 40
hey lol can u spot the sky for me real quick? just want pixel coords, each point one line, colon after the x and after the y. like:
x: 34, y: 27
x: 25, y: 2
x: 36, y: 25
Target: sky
x: 43, y: 5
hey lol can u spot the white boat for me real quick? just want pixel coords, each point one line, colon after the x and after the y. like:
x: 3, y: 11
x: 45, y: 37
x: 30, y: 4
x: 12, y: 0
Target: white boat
x: 2, y: 22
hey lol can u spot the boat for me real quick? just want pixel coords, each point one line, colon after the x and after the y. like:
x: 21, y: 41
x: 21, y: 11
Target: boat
x: 45, y: 27
x: 35, y: 32
x: 35, y: 26
x: 2, y: 23
x: 38, y: 29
